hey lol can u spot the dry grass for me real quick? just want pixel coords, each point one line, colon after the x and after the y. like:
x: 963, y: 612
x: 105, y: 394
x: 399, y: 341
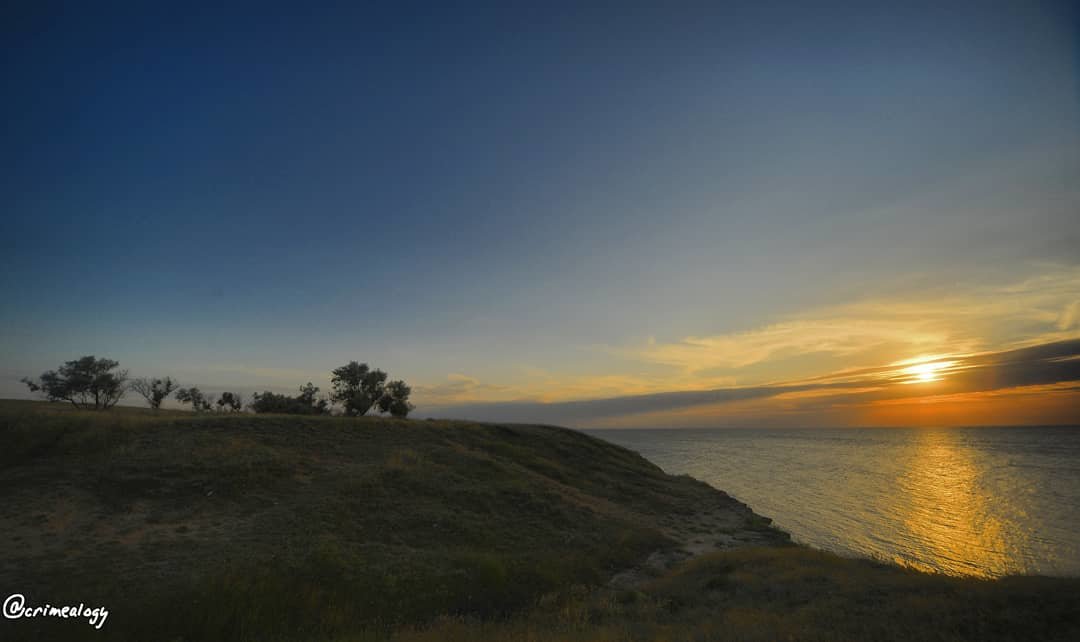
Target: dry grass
x: 789, y: 593
x: 218, y: 527
x: 257, y: 527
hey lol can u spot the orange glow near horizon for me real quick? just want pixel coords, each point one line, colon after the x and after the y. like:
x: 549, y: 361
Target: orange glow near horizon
x: 996, y: 353
x: 1038, y: 405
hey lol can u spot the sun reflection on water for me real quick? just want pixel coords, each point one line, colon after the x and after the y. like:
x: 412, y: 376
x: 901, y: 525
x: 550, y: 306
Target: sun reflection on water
x: 948, y: 515
x: 965, y: 501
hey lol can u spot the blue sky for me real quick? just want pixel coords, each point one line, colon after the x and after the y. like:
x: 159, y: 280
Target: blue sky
x: 514, y: 204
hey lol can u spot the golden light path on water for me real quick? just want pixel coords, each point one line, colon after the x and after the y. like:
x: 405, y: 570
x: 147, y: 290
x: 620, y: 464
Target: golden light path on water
x: 948, y: 516
x: 966, y: 501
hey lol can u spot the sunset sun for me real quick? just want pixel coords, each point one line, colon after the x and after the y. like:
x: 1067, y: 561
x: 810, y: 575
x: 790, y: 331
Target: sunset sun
x: 927, y: 372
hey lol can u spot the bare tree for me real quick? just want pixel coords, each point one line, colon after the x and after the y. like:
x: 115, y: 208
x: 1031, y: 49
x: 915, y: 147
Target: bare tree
x: 154, y: 390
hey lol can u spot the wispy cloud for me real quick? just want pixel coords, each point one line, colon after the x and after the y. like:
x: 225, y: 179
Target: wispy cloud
x: 1031, y: 311
x: 839, y: 335
x: 1021, y: 334
x: 461, y: 388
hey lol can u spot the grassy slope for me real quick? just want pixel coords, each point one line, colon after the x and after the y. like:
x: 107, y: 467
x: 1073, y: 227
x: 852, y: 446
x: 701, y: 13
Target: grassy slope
x: 789, y: 593
x: 243, y: 526
x: 264, y: 528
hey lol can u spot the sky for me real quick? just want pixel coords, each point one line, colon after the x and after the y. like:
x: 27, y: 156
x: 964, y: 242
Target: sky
x: 676, y: 215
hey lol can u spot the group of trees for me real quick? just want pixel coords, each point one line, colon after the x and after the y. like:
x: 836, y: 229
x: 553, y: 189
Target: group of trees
x: 97, y: 384
x: 199, y: 402
x: 306, y: 403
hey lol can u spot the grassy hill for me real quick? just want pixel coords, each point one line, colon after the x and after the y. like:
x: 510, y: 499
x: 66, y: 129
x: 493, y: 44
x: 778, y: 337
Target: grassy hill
x: 241, y: 527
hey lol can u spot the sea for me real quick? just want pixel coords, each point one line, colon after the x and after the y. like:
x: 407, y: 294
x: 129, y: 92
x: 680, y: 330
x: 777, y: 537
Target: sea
x: 983, y: 502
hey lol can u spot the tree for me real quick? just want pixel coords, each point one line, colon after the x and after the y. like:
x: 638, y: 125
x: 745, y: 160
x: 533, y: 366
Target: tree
x: 307, y: 394
x: 357, y: 388
x: 395, y: 399
x: 199, y: 402
x: 87, y: 382
x: 230, y: 401
x: 154, y: 390
x: 305, y: 404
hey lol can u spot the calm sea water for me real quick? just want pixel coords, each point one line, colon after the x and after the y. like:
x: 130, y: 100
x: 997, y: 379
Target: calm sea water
x: 970, y: 501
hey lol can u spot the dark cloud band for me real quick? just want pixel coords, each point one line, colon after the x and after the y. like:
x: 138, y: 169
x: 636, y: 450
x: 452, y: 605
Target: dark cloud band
x: 1036, y: 365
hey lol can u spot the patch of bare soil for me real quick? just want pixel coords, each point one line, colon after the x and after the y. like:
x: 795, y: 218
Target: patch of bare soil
x: 726, y: 525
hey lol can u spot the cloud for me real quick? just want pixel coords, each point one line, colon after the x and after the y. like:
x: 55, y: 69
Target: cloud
x: 1048, y: 364
x: 1022, y: 333
x: 1005, y: 393
x: 1033, y: 310
x: 837, y: 335
x: 541, y: 387
x: 1070, y: 316
x: 460, y: 388
x: 585, y: 410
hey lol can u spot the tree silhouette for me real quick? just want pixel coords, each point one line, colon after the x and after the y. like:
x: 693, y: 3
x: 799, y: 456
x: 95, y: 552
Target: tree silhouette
x: 199, y: 401
x: 87, y: 382
x: 230, y: 401
x: 154, y: 390
x: 395, y: 399
x: 306, y: 403
x: 357, y: 387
